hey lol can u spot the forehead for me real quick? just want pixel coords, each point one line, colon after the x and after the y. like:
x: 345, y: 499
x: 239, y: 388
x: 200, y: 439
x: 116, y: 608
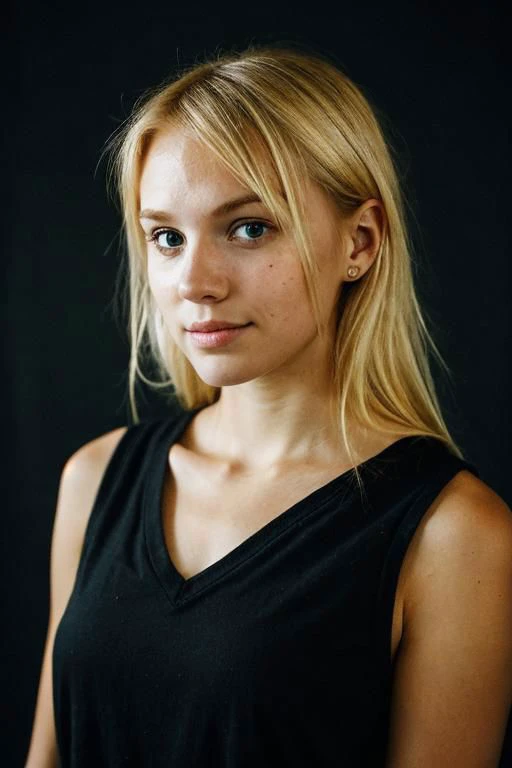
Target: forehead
x: 177, y: 163
x: 181, y: 173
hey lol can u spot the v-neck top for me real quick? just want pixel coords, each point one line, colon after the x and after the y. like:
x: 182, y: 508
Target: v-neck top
x: 278, y: 654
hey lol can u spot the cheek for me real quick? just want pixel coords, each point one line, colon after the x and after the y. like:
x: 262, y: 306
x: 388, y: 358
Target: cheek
x: 272, y: 289
x: 160, y: 282
x: 284, y: 296
x: 286, y: 284
x: 163, y: 292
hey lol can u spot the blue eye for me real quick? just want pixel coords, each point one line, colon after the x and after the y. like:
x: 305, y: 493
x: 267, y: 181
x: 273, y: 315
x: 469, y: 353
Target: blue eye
x: 253, y: 228
x: 166, y: 238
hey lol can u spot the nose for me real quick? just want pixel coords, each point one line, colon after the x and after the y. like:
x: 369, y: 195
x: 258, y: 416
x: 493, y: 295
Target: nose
x: 203, y: 275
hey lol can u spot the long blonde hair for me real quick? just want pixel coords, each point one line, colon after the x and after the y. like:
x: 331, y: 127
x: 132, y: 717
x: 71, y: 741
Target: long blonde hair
x: 298, y: 114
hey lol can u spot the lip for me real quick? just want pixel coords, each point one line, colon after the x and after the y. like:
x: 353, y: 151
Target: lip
x: 214, y: 325
x: 218, y: 338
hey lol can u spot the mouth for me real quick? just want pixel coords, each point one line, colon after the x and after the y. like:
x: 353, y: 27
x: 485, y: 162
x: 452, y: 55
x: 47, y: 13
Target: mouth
x: 218, y: 337
x: 214, y: 325
x: 218, y: 329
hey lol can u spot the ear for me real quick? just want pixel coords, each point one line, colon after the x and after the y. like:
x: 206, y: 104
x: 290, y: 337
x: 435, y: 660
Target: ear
x: 367, y: 227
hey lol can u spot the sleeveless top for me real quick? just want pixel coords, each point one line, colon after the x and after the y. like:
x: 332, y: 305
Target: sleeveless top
x: 278, y: 654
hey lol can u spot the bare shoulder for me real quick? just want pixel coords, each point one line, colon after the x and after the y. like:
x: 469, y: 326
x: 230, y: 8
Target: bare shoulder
x: 93, y: 456
x: 455, y: 655
x: 468, y: 525
x: 79, y: 485
x: 466, y: 491
x: 468, y: 506
x: 82, y: 475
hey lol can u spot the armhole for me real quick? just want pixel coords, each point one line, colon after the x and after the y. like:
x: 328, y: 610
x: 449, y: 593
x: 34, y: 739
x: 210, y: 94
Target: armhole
x: 401, y: 540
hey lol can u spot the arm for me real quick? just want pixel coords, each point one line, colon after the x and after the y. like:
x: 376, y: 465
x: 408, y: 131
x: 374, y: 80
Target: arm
x: 452, y: 689
x: 79, y: 484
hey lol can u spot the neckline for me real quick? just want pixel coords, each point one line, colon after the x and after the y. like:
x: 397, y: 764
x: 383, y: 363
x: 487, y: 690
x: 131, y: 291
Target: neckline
x: 177, y: 587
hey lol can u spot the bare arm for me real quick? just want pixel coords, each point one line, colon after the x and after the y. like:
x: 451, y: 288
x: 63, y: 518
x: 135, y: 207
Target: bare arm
x: 78, y: 487
x: 452, y: 690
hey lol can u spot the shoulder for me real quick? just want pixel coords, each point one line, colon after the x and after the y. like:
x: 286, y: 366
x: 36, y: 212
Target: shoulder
x: 79, y: 483
x: 92, y: 457
x: 467, y: 506
x: 81, y: 477
x: 455, y: 654
x: 464, y: 537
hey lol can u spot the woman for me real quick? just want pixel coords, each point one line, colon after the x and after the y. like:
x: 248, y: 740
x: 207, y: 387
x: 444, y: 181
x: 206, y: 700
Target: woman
x: 298, y: 567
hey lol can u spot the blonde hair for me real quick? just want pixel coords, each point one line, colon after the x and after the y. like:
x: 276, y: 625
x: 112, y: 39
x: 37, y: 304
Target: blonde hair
x: 298, y: 115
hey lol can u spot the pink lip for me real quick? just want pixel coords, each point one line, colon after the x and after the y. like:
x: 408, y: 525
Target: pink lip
x: 213, y: 325
x: 217, y: 338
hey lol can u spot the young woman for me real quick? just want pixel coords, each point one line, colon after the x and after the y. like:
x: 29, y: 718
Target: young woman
x: 297, y: 567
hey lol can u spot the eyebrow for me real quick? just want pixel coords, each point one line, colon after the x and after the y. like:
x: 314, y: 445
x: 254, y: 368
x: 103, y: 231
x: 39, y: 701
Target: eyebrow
x: 221, y: 210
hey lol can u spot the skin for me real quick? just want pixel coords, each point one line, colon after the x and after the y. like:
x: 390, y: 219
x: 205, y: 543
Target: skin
x: 276, y: 373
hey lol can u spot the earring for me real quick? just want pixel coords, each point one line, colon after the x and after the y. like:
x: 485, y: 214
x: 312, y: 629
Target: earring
x: 353, y: 271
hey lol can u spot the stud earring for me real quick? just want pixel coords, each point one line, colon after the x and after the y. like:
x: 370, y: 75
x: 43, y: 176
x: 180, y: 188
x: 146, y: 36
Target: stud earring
x: 353, y: 271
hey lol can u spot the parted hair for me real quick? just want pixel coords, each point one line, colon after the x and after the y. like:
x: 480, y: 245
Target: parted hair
x: 275, y: 116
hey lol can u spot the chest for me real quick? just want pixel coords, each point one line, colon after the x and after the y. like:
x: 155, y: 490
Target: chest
x: 205, y: 517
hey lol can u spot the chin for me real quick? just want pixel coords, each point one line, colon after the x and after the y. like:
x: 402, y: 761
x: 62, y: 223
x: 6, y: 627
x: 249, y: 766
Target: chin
x: 226, y: 378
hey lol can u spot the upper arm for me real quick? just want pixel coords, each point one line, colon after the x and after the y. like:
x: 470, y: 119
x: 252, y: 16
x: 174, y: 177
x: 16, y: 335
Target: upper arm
x: 452, y: 687
x: 79, y: 483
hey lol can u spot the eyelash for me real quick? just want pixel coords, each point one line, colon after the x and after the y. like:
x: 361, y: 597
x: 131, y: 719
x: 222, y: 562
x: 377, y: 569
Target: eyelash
x: 153, y: 237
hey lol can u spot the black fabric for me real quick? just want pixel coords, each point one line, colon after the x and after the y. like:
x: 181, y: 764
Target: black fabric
x: 276, y: 655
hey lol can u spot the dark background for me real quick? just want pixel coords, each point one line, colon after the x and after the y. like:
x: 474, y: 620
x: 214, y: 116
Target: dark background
x: 71, y: 75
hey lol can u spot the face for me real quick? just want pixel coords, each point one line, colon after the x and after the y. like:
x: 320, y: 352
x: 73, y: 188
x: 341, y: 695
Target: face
x: 232, y: 265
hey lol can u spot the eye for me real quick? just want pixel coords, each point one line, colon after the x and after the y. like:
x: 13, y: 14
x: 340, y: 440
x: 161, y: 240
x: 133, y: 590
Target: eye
x: 253, y: 229
x: 168, y: 240
x: 165, y: 239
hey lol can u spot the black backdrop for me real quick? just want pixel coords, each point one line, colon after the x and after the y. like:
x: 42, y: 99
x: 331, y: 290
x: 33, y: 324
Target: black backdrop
x: 70, y: 76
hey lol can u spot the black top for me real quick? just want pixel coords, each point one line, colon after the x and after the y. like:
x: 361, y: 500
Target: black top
x: 278, y: 654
